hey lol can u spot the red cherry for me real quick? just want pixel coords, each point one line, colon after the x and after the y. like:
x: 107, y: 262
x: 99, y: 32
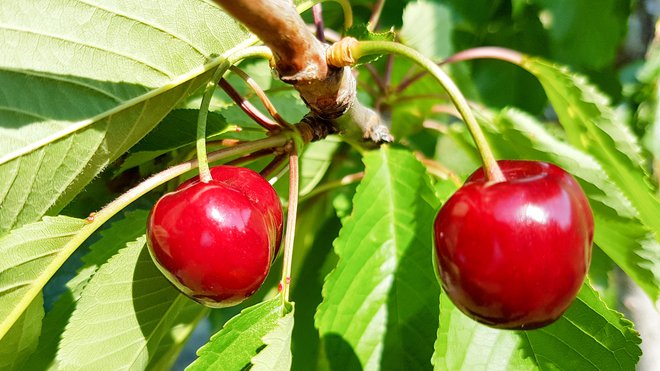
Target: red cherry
x: 514, y: 254
x: 215, y: 241
x: 256, y: 188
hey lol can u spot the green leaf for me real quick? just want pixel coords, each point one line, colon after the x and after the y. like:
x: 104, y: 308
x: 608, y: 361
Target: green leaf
x: 619, y: 232
x: 380, y: 303
x: 600, y: 24
x: 591, y: 126
x: 111, y: 240
x: 177, y: 129
x: 242, y: 337
x: 276, y: 355
x: 26, y: 263
x: 589, y: 336
x: 23, y: 337
x: 427, y: 27
x: 314, y: 162
x: 74, y: 98
x: 464, y: 344
x: 130, y: 311
x: 476, y: 12
x: 316, y: 227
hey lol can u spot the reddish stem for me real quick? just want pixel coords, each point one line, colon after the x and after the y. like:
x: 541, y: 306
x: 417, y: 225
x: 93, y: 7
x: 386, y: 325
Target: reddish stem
x: 377, y: 78
x: 317, y: 11
x: 273, y: 165
x: 248, y: 108
x: 484, y: 52
x: 262, y: 96
x: 250, y: 157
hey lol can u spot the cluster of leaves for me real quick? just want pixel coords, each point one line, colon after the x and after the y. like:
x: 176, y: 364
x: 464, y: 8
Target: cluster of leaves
x: 87, y: 111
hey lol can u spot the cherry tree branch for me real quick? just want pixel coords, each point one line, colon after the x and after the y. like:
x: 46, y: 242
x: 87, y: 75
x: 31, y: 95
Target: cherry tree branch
x: 299, y: 58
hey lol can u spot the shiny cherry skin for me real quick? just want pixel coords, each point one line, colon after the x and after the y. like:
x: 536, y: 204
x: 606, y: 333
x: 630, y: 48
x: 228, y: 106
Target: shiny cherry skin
x: 514, y: 254
x: 256, y: 188
x: 214, y: 241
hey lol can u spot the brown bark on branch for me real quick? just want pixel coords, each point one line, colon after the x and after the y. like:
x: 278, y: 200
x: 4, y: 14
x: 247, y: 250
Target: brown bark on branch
x: 299, y: 56
x: 300, y: 60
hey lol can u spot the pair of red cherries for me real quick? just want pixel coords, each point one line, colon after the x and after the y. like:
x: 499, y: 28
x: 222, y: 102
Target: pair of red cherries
x: 509, y: 254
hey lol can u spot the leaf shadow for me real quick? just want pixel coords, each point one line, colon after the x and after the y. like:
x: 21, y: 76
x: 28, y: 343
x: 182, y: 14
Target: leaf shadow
x: 151, y: 290
x: 339, y: 354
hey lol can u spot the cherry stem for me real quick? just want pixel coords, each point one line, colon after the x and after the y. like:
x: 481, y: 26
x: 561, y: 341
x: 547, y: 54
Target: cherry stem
x: 317, y: 11
x: 491, y: 52
x: 250, y: 157
x: 262, y: 96
x: 248, y: 107
x: 362, y: 48
x: 238, y: 55
x: 439, y: 170
x: 345, y: 7
x: 291, y: 216
x: 375, y: 15
x: 273, y: 165
x: 328, y: 186
x: 377, y: 78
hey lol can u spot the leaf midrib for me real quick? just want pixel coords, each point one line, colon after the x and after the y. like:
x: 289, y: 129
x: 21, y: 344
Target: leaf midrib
x: 175, y: 83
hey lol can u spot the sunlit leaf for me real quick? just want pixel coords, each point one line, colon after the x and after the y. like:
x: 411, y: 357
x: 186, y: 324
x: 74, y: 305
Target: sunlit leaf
x: 30, y: 255
x: 81, y: 82
x: 242, y: 338
x: 380, y: 303
x: 276, y: 355
x: 23, y: 337
x: 591, y: 126
x: 112, y: 239
x: 131, y: 311
x: 585, y: 33
x: 427, y: 28
x: 588, y: 337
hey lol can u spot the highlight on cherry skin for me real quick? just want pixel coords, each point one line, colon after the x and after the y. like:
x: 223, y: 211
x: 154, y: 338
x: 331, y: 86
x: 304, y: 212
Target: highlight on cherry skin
x: 514, y: 254
x: 216, y: 241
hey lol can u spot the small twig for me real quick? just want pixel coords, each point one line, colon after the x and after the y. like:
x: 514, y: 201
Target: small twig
x: 409, y: 80
x: 388, y: 71
x: 274, y: 165
x: 447, y: 109
x: 262, y: 96
x: 368, y: 88
x: 290, y: 224
x: 375, y: 15
x: 486, y: 52
x: 344, y: 181
x: 248, y: 107
x: 437, y: 169
x: 331, y: 36
x: 224, y: 142
x: 250, y: 157
x: 415, y: 97
x: 376, y: 76
x: 317, y: 11
x: 436, y: 126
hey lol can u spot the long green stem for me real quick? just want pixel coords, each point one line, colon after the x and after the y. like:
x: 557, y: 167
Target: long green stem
x: 290, y: 224
x: 364, y: 48
x: 255, y: 51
